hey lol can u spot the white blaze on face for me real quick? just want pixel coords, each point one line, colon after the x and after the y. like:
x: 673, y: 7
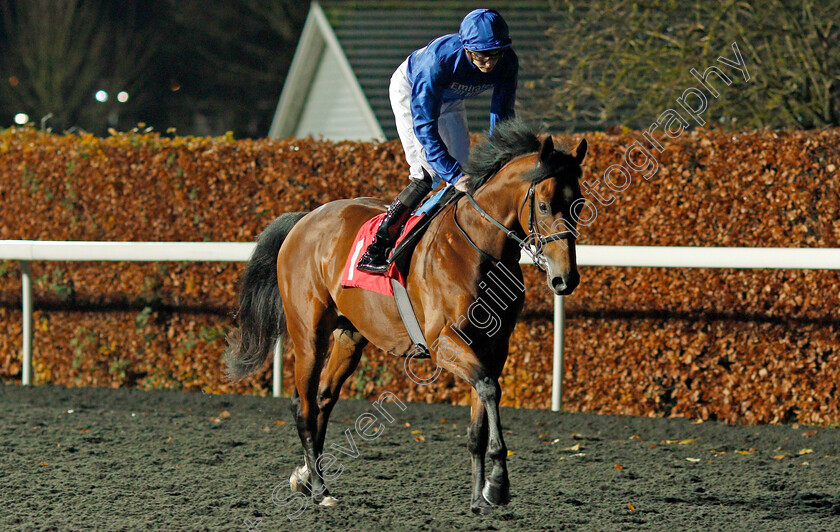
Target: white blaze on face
x: 568, y: 194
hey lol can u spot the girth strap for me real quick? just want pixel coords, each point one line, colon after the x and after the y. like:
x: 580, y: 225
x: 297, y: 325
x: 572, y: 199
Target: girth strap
x: 410, y: 319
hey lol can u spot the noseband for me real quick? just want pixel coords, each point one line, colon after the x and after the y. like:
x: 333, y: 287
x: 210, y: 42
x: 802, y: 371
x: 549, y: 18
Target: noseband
x: 534, y: 243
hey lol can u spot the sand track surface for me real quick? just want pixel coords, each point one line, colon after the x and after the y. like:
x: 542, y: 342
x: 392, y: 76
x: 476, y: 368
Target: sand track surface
x: 105, y: 459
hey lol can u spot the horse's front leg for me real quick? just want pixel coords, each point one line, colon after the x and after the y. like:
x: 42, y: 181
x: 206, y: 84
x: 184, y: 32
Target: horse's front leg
x: 477, y: 443
x: 497, y: 486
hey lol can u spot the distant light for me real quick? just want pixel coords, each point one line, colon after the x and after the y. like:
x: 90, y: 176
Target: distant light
x: 14, y: 81
x: 101, y: 96
x: 122, y: 97
x: 21, y: 118
x: 174, y: 86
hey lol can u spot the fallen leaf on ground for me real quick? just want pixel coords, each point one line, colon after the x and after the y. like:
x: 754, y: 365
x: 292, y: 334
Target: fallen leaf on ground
x: 510, y: 453
x: 635, y: 437
x: 750, y: 451
x: 618, y: 466
x: 810, y: 433
x: 805, y: 451
x: 575, y: 447
x: 279, y: 422
x: 632, y: 508
x: 419, y: 438
x: 416, y: 431
x: 225, y: 414
x: 689, y: 441
x: 693, y: 459
x: 779, y: 457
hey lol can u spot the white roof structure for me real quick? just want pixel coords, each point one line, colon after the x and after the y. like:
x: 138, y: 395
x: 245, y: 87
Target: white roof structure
x: 322, y: 96
x: 337, y: 86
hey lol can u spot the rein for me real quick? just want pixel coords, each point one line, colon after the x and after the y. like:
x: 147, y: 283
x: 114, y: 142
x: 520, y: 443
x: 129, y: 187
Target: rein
x: 534, y: 242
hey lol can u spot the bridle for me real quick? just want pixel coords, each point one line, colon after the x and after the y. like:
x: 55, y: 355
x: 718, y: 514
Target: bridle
x: 534, y: 242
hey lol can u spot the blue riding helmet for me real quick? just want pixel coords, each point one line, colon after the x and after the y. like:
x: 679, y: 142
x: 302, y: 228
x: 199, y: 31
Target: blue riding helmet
x: 484, y: 29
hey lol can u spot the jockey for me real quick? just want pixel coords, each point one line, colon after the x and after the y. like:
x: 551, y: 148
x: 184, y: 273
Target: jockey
x: 427, y: 94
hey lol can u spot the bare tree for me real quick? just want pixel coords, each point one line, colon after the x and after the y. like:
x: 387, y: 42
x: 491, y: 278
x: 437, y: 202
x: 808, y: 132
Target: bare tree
x: 795, y: 44
x: 245, y: 47
x: 59, y: 53
x: 615, y: 62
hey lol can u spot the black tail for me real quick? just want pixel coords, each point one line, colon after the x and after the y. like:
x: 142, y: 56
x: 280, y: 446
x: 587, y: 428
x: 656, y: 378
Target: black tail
x: 261, y: 318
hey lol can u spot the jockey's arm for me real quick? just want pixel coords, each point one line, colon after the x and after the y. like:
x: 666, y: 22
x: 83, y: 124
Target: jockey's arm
x: 504, y: 93
x: 426, y: 102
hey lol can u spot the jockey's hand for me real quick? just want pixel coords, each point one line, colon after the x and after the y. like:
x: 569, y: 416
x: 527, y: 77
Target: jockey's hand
x: 461, y: 184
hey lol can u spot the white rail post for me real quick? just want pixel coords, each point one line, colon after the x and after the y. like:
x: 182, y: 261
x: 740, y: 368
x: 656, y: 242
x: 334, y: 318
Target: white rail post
x: 557, y: 373
x: 278, y: 368
x: 26, y: 283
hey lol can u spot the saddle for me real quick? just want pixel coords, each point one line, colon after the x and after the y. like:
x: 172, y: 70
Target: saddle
x: 402, y: 252
x: 393, y: 282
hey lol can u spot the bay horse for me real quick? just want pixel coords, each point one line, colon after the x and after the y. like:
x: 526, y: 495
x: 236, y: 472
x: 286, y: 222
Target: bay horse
x: 522, y: 194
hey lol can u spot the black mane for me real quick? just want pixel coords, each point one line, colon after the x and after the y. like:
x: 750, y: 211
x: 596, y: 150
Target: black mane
x: 509, y: 140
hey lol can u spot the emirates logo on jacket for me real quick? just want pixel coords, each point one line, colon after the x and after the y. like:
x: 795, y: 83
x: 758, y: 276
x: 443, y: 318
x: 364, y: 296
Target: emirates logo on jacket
x: 468, y: 91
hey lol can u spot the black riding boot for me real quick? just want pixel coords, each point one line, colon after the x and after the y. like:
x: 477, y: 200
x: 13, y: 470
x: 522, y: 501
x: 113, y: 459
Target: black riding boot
x: 375, y: 257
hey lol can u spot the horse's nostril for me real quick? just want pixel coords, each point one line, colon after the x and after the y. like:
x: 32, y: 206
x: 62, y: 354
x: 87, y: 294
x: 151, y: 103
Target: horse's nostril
x: 558, y: 284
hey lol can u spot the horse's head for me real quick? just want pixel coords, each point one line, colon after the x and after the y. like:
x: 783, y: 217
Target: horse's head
x: 538, y: 192
x: 550, y: 211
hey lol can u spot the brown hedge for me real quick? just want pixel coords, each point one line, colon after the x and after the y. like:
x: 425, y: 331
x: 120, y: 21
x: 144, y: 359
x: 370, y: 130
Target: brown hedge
x: 740, y: 346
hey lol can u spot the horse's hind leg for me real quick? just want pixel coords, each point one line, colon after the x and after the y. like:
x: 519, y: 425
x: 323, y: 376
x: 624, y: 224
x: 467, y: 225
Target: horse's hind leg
x: 344, y: 358
x: 310, y: 351
x: 299, y: 481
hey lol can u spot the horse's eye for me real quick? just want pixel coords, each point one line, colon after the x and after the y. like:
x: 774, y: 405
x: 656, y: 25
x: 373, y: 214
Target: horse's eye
x: 543, y: 207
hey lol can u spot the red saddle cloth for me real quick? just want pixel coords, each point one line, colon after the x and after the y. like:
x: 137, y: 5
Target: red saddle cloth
x: 353, y: 278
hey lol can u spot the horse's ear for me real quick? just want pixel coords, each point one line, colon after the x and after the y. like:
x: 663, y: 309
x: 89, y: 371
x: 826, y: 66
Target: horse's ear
x: 547, y: 149
x: 580, y: 151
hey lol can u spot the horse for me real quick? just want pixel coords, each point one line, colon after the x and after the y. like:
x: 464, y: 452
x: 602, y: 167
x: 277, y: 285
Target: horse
x: 519, y: 188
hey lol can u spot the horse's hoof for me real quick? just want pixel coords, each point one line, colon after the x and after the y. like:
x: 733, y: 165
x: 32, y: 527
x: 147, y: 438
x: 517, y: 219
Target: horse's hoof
x: 299, y: 480
x: 481, y: 510
x: 329, y: 501
x: 496, y: 494
x: 481, y: 506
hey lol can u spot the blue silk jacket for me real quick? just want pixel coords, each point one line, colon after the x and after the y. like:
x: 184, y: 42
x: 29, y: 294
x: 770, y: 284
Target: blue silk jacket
x: 441, y: 72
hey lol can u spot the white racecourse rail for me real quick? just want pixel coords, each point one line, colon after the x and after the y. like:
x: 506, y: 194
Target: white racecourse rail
x: 621, y: 256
